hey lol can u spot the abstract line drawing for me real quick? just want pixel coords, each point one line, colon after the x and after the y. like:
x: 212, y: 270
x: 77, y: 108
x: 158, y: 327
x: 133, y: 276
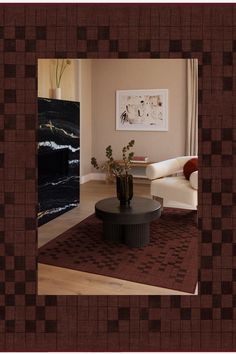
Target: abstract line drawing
x: 142, y: 110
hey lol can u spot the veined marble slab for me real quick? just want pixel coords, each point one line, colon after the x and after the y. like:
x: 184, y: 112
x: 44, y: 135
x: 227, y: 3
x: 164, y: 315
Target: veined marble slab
x: 58, y: 157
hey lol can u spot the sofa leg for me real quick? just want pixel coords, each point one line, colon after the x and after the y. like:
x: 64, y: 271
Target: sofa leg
x: 158, y: 199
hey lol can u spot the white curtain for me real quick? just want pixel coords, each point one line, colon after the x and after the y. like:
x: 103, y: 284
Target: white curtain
x: 192, y: 107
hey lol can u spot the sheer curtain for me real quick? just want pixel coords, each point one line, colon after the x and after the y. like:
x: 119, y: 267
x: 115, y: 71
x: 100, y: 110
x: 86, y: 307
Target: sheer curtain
x: 192, y: 107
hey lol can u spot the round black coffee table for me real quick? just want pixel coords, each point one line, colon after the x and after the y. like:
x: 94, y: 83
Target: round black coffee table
x: 129, y: 225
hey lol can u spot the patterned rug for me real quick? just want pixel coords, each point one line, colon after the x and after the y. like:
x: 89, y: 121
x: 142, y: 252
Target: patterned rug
x: 169, y: 261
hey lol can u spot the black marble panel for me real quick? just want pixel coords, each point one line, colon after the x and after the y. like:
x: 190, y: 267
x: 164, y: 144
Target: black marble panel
x: 58, y: 157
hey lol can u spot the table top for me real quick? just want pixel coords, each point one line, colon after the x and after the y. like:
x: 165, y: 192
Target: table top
x: 141, y: 210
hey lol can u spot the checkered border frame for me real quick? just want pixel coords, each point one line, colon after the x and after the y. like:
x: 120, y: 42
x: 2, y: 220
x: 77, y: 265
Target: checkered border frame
x: 117, y: 323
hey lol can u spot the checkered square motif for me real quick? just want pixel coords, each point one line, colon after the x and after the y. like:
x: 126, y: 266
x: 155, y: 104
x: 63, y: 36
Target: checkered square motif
x: 118, y: 323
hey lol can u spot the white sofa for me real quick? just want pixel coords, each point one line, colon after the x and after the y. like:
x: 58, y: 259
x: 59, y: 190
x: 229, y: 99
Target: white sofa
x: 169, y: 184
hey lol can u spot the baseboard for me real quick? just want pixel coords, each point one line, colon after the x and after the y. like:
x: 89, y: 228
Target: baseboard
x: 85, y: 178
x: 92, y: 177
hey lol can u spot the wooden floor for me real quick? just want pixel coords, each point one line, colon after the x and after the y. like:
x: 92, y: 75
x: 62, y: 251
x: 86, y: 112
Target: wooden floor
x: 62, y: 281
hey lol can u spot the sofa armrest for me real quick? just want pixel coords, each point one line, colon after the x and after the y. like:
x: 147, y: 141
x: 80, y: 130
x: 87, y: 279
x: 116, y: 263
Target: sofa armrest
x: 162, y: 169
x: 193, y: 180
x: 167, y: 167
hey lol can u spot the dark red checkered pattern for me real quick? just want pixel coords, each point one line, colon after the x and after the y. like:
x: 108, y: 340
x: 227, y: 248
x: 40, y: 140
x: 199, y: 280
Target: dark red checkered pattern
x: 31, y: 322
x: 170, y: 259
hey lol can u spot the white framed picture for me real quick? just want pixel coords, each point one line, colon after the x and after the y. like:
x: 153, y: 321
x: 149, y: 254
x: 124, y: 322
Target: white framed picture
x: 142, y: 110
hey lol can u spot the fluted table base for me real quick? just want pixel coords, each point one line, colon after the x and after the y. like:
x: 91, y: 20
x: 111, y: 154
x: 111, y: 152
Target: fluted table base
x: 137, y: 235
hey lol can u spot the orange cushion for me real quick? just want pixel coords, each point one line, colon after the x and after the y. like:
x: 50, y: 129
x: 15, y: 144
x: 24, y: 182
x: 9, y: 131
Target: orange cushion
x: 190, y: 167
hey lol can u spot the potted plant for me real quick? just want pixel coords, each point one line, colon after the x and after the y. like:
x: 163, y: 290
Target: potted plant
x: 124, y: 180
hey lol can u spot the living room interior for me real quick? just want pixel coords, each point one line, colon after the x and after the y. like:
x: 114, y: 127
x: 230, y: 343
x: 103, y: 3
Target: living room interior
x: 89, y: 90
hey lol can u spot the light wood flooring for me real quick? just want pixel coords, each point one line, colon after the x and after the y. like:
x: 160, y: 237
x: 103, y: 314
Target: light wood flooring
x: 62, y: 281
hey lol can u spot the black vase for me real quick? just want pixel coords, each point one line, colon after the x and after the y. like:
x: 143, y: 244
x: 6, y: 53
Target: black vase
x: 124, y: 189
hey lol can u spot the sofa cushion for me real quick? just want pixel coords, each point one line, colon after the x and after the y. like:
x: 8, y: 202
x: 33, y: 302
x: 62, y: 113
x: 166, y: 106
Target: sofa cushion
x: 193, y: 180
x: 189, y: 167
x: 174, y: 189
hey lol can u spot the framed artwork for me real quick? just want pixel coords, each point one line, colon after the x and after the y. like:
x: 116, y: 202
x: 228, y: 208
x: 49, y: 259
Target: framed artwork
x: 142, y: 110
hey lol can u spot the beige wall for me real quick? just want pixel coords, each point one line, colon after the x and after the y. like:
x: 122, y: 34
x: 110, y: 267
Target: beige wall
x: 69, y: 83
x: 94, y: 82
x: 109, y: 75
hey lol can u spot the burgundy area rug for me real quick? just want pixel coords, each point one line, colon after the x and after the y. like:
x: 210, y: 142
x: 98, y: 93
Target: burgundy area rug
x: 169, y: 261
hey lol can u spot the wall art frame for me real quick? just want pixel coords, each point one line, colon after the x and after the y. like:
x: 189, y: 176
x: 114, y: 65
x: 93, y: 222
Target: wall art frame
x: 143, y: 110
